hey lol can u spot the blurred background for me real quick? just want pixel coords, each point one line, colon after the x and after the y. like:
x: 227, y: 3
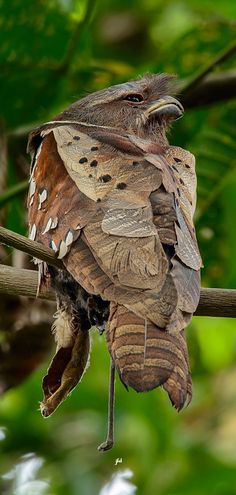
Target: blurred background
x: 51, y: 53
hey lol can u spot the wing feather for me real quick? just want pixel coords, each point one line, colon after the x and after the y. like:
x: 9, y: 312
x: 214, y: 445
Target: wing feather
x: 135, y: 210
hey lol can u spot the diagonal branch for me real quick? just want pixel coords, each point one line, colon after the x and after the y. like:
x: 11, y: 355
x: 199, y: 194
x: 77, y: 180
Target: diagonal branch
x: 32, y: 248
x: 219, y: 59
x: 212, y: 89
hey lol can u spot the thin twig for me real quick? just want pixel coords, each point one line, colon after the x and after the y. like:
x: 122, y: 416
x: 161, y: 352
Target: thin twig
x: 108, y: 444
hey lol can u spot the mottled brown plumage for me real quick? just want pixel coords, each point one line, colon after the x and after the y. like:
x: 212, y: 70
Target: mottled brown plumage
x: 115, y: 201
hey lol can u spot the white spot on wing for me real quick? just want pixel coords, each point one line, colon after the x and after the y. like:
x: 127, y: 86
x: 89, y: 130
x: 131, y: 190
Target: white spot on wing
x: 33, y: 232
x: 48, y: 226
x: 51, y: 224
x: 34, y: 162
x: 42, y: 197
x: 69, y: 238
x: 42, y: 273
x: 54, y: 223
x: 62, y: 250
x: 32, y: 187
x: 53, y: 246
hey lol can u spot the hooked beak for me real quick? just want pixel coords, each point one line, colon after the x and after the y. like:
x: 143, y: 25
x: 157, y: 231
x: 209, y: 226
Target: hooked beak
x: 166, y: 107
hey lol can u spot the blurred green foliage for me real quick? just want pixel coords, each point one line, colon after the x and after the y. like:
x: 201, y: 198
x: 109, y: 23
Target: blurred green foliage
x: 51, y: 53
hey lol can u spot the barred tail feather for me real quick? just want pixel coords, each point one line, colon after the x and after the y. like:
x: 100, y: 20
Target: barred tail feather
x: 146, y: 356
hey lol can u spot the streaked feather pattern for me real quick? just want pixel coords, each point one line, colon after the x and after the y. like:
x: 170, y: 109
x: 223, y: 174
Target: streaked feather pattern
x: 117, y: 206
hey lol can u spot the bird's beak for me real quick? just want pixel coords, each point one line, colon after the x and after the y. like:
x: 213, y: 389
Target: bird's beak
x: 167, y: 107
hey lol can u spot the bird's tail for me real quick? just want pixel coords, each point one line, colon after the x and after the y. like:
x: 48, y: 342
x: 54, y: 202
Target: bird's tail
x: 147, y: 356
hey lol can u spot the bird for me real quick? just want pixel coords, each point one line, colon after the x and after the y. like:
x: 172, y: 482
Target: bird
x: 115, y: 201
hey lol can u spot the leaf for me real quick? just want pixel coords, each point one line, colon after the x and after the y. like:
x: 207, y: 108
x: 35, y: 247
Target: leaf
x: 65, y: 371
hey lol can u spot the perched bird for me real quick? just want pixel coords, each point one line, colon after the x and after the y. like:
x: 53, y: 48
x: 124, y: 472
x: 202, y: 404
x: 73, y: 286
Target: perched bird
x: 115, y: 202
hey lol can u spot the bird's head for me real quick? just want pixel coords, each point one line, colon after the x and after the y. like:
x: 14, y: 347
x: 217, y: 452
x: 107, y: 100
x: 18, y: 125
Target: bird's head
x: 142, y: 106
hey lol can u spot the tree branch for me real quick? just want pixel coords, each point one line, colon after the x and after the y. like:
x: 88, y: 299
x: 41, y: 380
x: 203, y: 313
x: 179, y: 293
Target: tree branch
x: 219, y: 59
x: 217, y: 302
x: 20, y: 282
x: 213, y: 302
x: 32, y: 248
x: 213, y: 89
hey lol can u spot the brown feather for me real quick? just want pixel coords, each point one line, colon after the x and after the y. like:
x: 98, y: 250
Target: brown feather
x: 116, y: 202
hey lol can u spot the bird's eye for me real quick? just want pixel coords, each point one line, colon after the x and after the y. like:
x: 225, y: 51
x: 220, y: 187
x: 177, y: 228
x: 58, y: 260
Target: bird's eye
x: 134, y: 98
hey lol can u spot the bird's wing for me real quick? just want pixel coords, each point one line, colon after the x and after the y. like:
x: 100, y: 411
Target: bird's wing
x: 103, y: 182
x: 173, y: 216
x: 58, y: 210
